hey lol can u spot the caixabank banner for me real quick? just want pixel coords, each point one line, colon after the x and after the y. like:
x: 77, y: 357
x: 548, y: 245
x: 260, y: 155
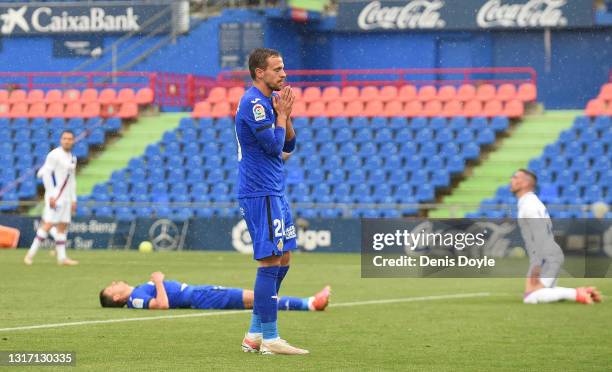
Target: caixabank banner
x: 75, y: 18
x: 398, y: 15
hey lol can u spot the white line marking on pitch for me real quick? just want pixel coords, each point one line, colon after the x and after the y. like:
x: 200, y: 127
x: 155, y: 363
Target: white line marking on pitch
x: 231, y: 312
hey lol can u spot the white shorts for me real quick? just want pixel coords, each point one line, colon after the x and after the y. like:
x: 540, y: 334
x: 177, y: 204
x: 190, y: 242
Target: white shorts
x: 549, y: 271
x: 61, y: 214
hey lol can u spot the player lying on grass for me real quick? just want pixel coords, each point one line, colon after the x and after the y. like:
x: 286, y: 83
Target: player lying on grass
x: 166, y: 294
x: 545, y: 255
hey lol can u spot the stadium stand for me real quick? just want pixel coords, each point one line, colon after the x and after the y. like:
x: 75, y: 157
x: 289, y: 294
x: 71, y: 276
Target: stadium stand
x: 380, y: 150
x: 574, y: 171
x: 31, y: 123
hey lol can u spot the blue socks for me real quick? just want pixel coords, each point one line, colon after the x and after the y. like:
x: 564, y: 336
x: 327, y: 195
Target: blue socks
x: 293, y: 303
x: 265, y: 305
x: 282, y: 271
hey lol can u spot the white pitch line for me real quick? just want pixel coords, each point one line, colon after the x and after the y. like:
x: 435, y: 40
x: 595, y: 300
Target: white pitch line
x: 226, y: 312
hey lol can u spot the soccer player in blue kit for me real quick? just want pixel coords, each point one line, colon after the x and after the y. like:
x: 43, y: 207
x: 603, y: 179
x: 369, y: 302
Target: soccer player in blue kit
x: 163, y: 294
x: 264, y: 131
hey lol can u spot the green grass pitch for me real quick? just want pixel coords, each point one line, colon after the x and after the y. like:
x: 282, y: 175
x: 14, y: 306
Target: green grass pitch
x: 489, y: 332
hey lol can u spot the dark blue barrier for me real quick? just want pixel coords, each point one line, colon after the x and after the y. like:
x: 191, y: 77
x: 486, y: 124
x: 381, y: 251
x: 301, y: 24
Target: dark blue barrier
x: 373, y: 15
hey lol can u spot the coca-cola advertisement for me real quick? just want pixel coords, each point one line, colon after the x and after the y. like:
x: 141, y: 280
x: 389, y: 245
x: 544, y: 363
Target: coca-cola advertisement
x: 377, y: 15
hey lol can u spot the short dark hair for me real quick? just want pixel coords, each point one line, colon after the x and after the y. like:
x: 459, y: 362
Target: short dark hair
x: 67, y: 131
x: 259, y: 59
x: 107, y: 301
x: 530, y: 174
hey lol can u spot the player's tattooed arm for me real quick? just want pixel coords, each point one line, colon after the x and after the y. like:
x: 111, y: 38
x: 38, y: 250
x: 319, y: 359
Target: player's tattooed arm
x: 161, y: 300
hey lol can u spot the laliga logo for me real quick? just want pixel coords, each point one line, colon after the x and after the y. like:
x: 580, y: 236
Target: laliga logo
x: 417, y: 14
x: 14, y: 18
x: 534, y: 13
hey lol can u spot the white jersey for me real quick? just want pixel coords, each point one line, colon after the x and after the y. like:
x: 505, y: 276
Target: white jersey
x: 59, y: 176
x: 536, y: 229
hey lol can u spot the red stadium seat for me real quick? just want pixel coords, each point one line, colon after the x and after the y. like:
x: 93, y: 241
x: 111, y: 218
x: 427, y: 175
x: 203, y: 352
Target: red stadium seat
x: 466, y: 92
x: 17, y: 95
x: 335, y: 109
x: 447, y: 93
x: 4, y: 110
x: 73, y: 110
x: 452, y: 108
x: 506, y: 92
x: 432, y: 108
x: 234, y: 94
x: 55, y: 110
x: 514, y: 109
x: 472, y: 108
x: 128, y: 110
x: 311, y: 94
x: 126, y: 95
x: 35, y: 95
x: 427, y: 93
x: 4, y: 95
x: 144, y: 96
x: 107, y: 96
x: 354, y: 108
x: 91, y: 110
x: 71, y: 95
x: 316, y: 109
x: 53, y: 95
x: 217, y: 94
x: 330, y: 94
x: 369, y: 94
x: 387, y: 93
x: 89, y: 95
x: 527, y: 92
x: 407, y: 93
x: 606, y: 92
x: 202, y: 110
x: 493, y: 108
x: 374, y: 108
x: 393, y: 108
x: 350, y: 94
x: 221, y: 109
x: 37, y: 110
x: 413, y: 109
x: 485, y: 92
x: 299, y: 109
x: 595, y: 107
x: 19, y: 110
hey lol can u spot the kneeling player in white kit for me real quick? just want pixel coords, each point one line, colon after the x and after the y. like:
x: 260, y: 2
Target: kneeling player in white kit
x: 545, y: 255
x: 59, y: 177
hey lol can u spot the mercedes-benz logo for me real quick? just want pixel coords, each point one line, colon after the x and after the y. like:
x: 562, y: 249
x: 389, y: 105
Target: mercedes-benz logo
x: 164, y: 235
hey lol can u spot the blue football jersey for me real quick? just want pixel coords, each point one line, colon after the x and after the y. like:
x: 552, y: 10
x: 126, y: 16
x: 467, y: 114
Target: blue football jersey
x: 178, y: 295
x: 259, y: 172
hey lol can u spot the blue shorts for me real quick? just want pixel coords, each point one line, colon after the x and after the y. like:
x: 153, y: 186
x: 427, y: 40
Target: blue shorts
x: 270, y: 225
x: 215, y: 297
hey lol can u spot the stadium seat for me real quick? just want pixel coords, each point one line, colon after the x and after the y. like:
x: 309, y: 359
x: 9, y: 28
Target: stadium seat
x: 407, y: 93
x: 335, y: 108
x: 605, y: 94
x: 73, y: 110
x: 527, y: 92
x: 87, y: 96
x: 19, y: 110
x: 452, y: 108
x: 369, y: 93
x: 35, y: 96
x: 107, y: 96
x: 466, y: 92
x: 316, y: 108
x: 128, y: 110
x: 446, y: 93
x: 311, y: 94
x: 427, y: 93
x: 432, y: 108
x: 350, y: 94
x: 354, y: 108
x: 485, y: 92
x: 493, y: 108
x: 144, y: 96
x: 472, y: 108
x: 17, y: 96
x: 595, y: 107
x: 514, y: 109
x: 202, y: 109
x: 413, y: 109
x: 91, y: 110
x: 37, y: 110
x: 393, y: 108
x: 4, y: 96
x: 125, y: 95
x: 216, y: 95
x: 330, y: 94
x: 388, y: 93
x: 373, y: 108
x: 234, y: 94
x: 506, y: 92
x: 70, y: 96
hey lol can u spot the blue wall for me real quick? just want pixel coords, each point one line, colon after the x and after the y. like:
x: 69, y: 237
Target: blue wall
x: 580, y: 64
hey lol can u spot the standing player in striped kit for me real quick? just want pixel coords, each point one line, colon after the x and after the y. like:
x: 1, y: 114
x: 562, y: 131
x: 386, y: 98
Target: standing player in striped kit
x: 59, y: 177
